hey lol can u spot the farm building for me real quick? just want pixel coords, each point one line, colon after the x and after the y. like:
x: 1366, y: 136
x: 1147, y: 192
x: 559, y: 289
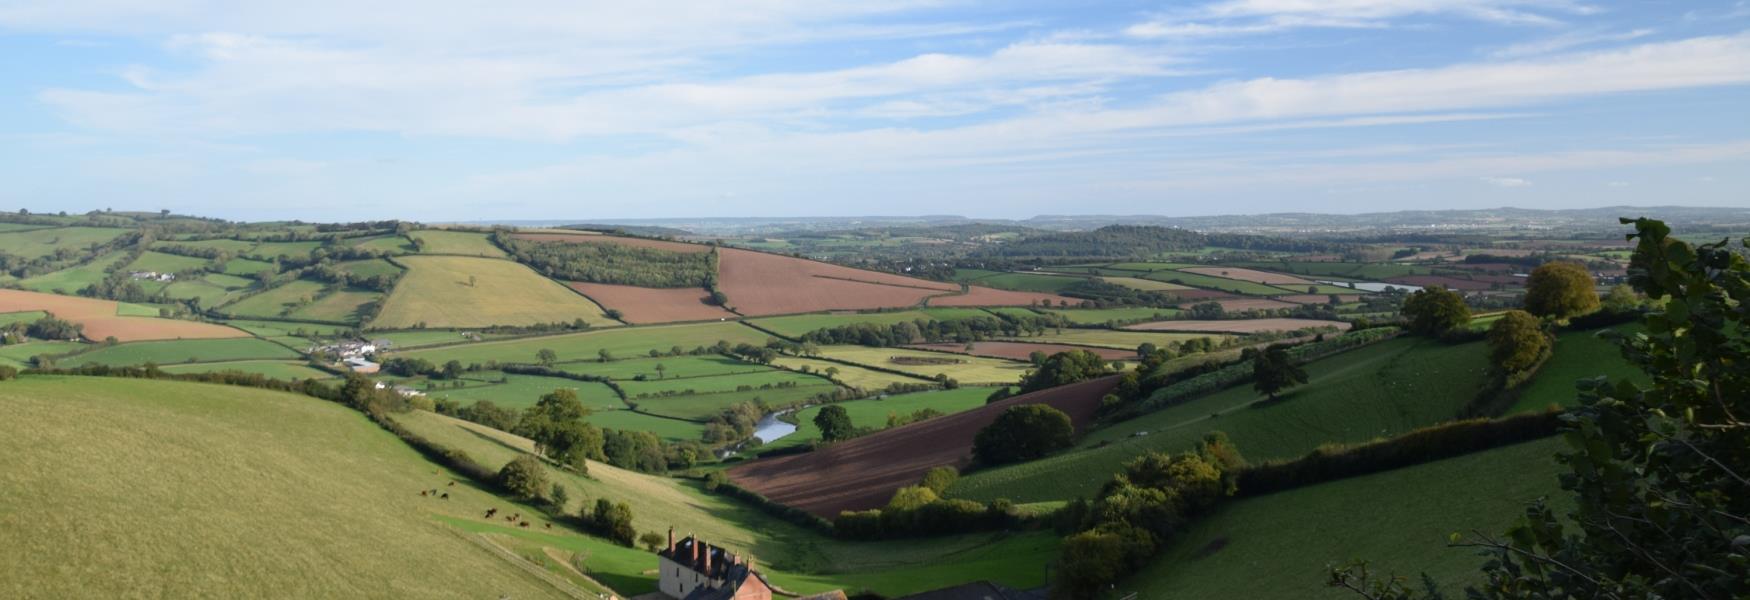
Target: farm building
x: 694, y: 570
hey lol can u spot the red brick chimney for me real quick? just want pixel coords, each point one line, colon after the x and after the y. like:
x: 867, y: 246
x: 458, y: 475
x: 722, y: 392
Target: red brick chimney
x: 671, y: 542
x: 695, y: 540
x: 707, y: 561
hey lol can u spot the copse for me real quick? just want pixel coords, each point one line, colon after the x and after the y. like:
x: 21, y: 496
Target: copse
x: 1065, y: 368
x: 1517, y: 341
x: 1023, y: 433
x: 1435, y: 311
x: 1559, y: 290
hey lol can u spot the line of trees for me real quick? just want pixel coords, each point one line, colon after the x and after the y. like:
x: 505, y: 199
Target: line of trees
x: 613, y: 263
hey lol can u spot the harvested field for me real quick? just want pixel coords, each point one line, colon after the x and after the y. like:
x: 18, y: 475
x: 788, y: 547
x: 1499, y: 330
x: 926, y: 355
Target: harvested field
x: 458, y: 291
x: 653, y: 305
x: 1251, y: 275
x: 1320, y: 298
x: 965, y: 369
x: 1438, y: 280
x: 100, y: 319
x: 863, y: 473
x: 983, y: 296
x: 1023, y: 350
x: 1239, y: 325
x: 761, y: 284
x: 596, y: 238
x: 1245, y: 304
x: 847, y: 375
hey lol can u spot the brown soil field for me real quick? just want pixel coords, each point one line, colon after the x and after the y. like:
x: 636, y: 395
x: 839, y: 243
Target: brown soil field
x: 100, y: 320
x: 1023, y: 350
x: 983, y: 296
x: 1319, y: 298
x: 1200, y: 295
x: 1245, y: 304
x: 653, y: 305
x: 1238, y: 325
x: 760, y: 284
x: 1490, y: 267
x: 1434, y: 280
x: 588, y: 238
x: 1251, y: 275
x: 863, y: 473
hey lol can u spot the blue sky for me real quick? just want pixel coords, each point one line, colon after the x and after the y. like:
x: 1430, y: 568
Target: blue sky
x: 457, y: 110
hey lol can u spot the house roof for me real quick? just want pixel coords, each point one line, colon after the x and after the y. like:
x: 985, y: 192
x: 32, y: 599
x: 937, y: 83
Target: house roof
x: 725, y: 566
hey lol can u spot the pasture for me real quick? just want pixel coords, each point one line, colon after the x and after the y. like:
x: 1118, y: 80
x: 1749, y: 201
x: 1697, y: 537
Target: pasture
x: 1379, y: 390
x: 339, y: 306
x: 37, y: 243
x: 676, y: 430
x: 457, y: 291
x: 466, y: 243
x: 1240, y: 326
x: 1114, y: 338
x: 847, y: 375
x: 394, y: 244
x: 983, y: 296
x: 1023, y: 350
x: 285, y: 328
x: 1578, y: 355
x: 673, y: 367
x: 1254, y: 276
x: 1277, y: 546
x: 284, y: 249
x: 155, y: 488
x: 1029, y: 282
x: 19, y: 355
x: 246, y: 266
x: 277, y: 301
x: 973, y: 370
x: 702, y: 406
x: 369, y: 268
x: 1210, y: 282
x: 1146, y: 285
x: 182, y: 351
x: 23, y: 316
x: 755, y: 378
x: 628, y: 342
x: 274, y: 369
x: 166, y: 263
x: 1096, y: 316
x: 212, y: 289
x: 795, y: 326
x: 72, y: 279
x: 521, y: 391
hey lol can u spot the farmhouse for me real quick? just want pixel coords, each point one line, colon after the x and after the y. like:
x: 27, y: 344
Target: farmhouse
x: 359, y: 364
x: 694, y: 570
x: 152, y: 276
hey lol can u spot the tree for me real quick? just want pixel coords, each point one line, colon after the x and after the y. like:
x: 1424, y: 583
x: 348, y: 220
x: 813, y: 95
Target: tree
x: 1560, y: 290
x: 614, y: 313
x: 834, y: 423
x: 938, y: 479
x: 1517, y: 341
x: 1023, y: 432
x: 651, y: 540
x: 523, y: 477
x: 613, y: 521
x: 605, y: 355
x: 1435, y: 311
x: 1065, y: 368
x: 1273, y: 371
x: 546, y: 356
x: 1622, y: 299
x: 1660, y: 473
x: 556, y: 424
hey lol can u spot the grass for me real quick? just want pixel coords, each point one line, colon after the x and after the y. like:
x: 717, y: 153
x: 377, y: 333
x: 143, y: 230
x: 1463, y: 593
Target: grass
x: 793, y: 558
x: 415, y: 338
x: 184, y: 463
x: 673, y: 367
x: 284, y: 249
x: 1095, y: 316
x: 277, y: 301
x: 438, y: 241
x: 1278, y: 546
x: 212, y: 290
x: 847, y: 375
x: 701, y: 407
x: 631, y: 341
x: 18, y: 355
x: 37, y: 243
x: 455, y: 291
x: 872, y: 413
x: 166, y: 263
x: 1211, y: 282
x: 1578, y: 355
x: 285, y: 328
x: 386, y: 243
x: 971, y: 370
x: 1147, y: 285
x: 1029, y: 282
x: 181, y: 351
x: 246, y: 266
x: 522, y: 391
x: 266, y: 368
x: 130, y: 309
x: 797, y: 325
x: 1349, y: 270
x: 369, y: 268
x: 23, y: 316
x: 678, y: 430
x: 1379, y: 390
x: 73, y: 279
x: 1148, y: 266
x: 717, y: 383
x: 228, y: 245
x: 343, y: 306
x: 1113, y: 338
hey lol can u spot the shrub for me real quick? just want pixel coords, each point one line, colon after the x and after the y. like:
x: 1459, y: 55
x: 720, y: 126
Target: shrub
x: 939, y: 479
x: 1435, y: 311
x: 1560, y: 290
x: 524, y: 477
x: 1517, y: 342
x: 1022, y: 433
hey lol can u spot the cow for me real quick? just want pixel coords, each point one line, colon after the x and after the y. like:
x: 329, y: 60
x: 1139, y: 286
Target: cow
x: 524, y: 524
x: 446, y: 496
x: 490, y: 512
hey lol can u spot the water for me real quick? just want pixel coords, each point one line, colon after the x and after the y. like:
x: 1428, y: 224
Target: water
x: 1372, y: 286
x: 771, y: 428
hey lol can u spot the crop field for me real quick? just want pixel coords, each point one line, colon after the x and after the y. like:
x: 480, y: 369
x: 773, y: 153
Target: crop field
x: 468, y: 243
x: 1023, y: 350
x: 795, y: 326
x: 1241, y: 326
x: 184, y: 463
x: 791, y: 557
x: 1114, y: 338
x: 1252, y: 275
x: 101, y: 320
x: 1222, y: 284
x: 1379, y: 390
x: 1578, y: 355
x: 673, y: 367
x: 640, y: 305
x: 701, y: 407
x: 1147, y: 285
x: 277, y: 301
x: 72, y: 279
x: 37, y: 243
x: 872, y: 413
x: 522, y: 391
x: 166, y: 263
x: 717, y: 383
x: 972, y: 370
x: 456, y: 291
x: 628, y: 342
x: 760, y: 284
x: 1277, y: 546
x: 863, y: 473
x: 275, y: 369
x: 983, y: 296
x: 246, y: 267
x: 847, y: 375
x: 1095, y: 316
x: 183, y: 351
x: 1029, y: 282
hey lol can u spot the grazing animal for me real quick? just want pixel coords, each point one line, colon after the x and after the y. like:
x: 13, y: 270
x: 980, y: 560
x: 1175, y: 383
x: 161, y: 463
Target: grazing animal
x: 422, y: 492
x: 549, y: 525
x: 446, y: 496
x: 490, y: 512
x: 452, y: 484
x: 525, y: 524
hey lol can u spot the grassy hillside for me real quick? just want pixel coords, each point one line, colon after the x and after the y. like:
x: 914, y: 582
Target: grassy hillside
x: 438, y: 241
x: 1380, y: 390
x: 1578, y: 355
x: 267, y: 368
x: 850, y: 376
x: 458, y: 291
x: 1277, y: 546
x: 180, y: 351
x: 148, y: 488
x: 626, y: 343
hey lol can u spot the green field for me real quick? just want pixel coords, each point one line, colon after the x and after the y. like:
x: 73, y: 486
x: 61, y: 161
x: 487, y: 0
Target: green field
x: 1379, y: 390
x: 1029, y: 282
x: 184, y: 463
x: 872, y: 413
x: 678, y: 430
x: 522, y: 391
x: 414, y: 338
x: 970, y: 370
x: 796, y: 325
x: 369, y: 268
x: 1095, y: 316
x: 275, y: 369
x: 627, y: 342
x: 701, y: 407
x: 385, y: 243
x: 285, y: 328
x: 1345, y: 270
x: 1147, y: 266
x: 277, y: 301
x: 438, y: 241
x: 246, y: 267
x: 166, y: 263
x: 181, y: 351
x: 25, y: 316
x: 847, y: 375
x: 19, y: 354
x: 1210, y: 282
x: 1578, y: 355
x: 793, y: 558
x: 73, y: 279
x: 1012, y: 311
x: 37, y: 243
x: 284, y: 249
x: 228, y: 245
x: 1147, y: 285
x: 341, y: 306
x: 1277, y: 546
x: 456, y: 291
x: 673, y: 367
x: 717, y: 383
x: 1113, y: 338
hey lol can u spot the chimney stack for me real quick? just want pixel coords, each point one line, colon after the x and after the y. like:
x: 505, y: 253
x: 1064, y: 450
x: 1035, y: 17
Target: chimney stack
x: 707, y: 561
x: 671, y: 542
x: 695, y: 542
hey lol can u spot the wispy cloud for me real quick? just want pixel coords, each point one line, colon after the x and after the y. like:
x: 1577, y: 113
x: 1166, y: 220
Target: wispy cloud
x: 1245, y: 17
x: 1507, y: 182
x: 1567, y: 41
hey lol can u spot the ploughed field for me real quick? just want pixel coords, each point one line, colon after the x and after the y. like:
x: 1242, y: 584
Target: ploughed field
x: 641, y: 305
x: 101, y: 320
x: 767, y: 284
x: 862, y: 473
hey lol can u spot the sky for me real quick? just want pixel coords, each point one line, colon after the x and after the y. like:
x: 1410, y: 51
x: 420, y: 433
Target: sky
x: 445, y: 110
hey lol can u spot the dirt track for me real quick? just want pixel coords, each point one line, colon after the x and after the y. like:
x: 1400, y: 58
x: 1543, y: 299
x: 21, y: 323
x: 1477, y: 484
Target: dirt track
x: 863, y: 473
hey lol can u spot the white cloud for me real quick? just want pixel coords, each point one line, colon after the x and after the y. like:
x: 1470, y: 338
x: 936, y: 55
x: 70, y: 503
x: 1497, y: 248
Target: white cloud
x: 1506, y: 182
x: 1243, y: 17
x: 1566, y: 41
